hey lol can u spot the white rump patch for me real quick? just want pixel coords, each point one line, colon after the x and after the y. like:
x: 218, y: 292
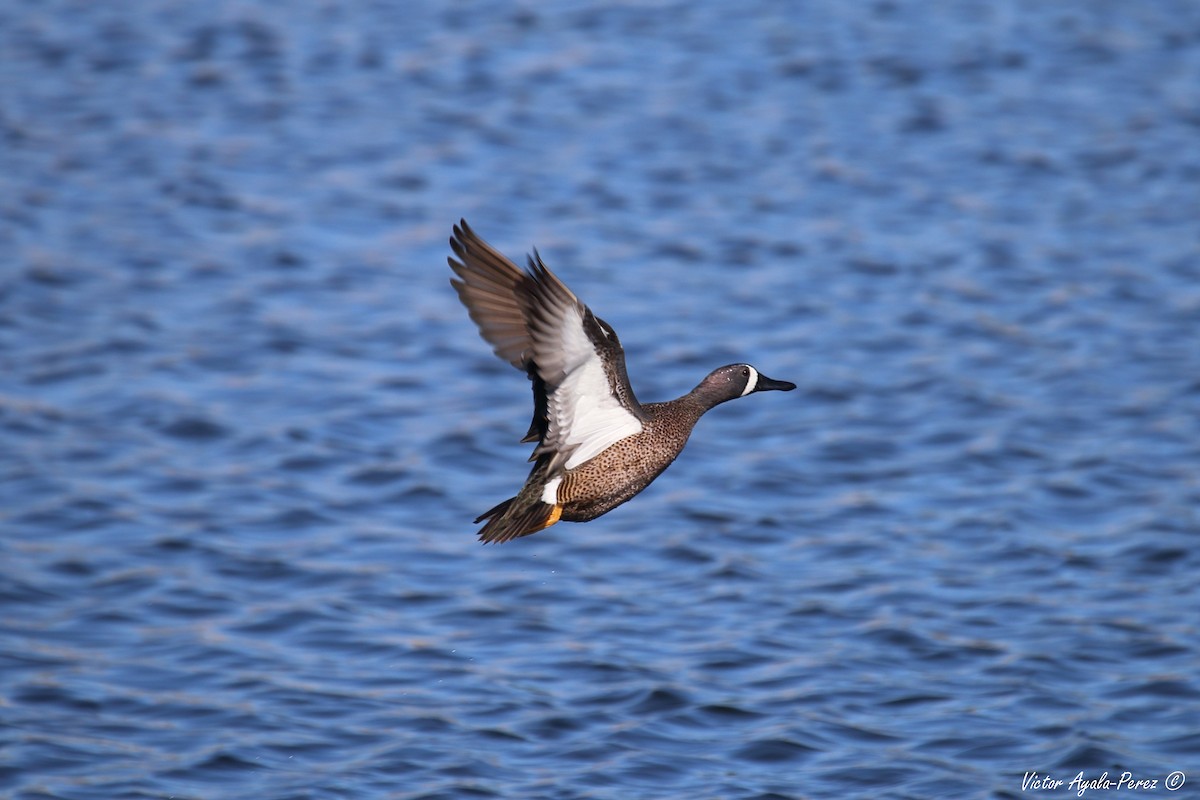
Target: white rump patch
x: 751, y: 382
x: 550, y: 491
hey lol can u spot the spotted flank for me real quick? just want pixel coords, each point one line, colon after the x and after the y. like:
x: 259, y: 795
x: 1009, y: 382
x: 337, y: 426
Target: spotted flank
x: 597, y: 446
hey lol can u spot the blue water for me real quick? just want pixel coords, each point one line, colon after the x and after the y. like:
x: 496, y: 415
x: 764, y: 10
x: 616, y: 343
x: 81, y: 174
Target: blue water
x: 245, y: 424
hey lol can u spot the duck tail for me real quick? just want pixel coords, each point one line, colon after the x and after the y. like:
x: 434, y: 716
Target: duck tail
x: 509, y: 520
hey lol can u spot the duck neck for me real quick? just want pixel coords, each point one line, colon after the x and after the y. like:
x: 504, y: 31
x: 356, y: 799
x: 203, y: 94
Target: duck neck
x: 701, y: 401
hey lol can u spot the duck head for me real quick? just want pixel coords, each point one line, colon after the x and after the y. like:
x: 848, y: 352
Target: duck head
x: 736, y: 380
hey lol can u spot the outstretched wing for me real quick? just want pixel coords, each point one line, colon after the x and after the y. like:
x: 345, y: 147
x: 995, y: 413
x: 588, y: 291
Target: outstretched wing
x: 533, y: 321
x: 490, y: 288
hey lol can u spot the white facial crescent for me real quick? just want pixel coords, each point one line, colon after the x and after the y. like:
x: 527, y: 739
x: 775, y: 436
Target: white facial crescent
x: 751, y: 382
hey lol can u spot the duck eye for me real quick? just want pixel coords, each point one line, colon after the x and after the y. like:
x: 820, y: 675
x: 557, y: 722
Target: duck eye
x: 745, y: 372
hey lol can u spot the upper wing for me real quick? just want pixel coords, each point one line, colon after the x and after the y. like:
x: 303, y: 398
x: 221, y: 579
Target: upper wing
x: 536, y: 323
x: 490, y: 288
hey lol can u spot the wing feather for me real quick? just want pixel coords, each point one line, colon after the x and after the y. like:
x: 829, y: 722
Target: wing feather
x: 533, y: 321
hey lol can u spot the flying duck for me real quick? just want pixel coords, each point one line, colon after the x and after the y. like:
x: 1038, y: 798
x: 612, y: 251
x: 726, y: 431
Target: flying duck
x: 597, y: 446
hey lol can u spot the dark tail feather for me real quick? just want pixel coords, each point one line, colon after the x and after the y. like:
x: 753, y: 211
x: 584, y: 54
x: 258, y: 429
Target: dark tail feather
x: 506, y: 522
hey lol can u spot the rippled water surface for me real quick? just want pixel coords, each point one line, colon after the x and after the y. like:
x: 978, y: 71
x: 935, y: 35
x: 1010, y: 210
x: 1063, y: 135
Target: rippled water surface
x: 245, y: 423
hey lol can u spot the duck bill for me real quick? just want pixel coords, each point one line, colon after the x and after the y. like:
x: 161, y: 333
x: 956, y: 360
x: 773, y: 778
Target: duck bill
x: 766, y: 384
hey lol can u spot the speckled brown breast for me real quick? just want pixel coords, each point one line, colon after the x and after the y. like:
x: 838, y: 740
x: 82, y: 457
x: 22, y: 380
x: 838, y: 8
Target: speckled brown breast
x: 627, y: 467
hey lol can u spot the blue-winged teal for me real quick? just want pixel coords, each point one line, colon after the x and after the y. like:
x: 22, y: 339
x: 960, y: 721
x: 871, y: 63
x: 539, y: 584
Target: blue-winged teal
x: 597, y: 446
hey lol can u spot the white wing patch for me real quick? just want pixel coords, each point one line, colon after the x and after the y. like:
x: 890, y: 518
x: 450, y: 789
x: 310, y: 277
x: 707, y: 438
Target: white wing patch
x: 751, y: 382
x: 582, y: 408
